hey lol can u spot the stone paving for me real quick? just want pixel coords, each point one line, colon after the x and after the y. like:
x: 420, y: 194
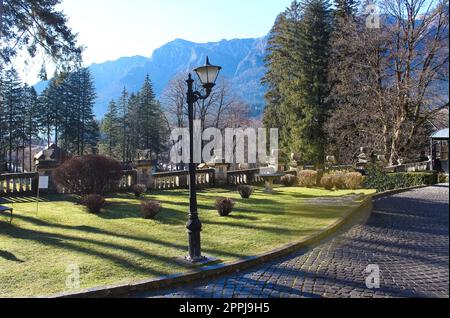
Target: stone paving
x: 406, y: 238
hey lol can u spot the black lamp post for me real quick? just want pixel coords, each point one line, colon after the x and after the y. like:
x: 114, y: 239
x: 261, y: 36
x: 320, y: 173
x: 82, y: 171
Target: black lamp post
x: 207, y: 75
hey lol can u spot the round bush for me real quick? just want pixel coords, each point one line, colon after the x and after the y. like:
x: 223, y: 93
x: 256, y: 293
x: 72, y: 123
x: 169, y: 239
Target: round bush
x: 327, y: 182
x: 89, y: 174
x: 224, y: 206
x: 288, y: 180
x: 338, y: 179
x: 150, y: 209
x: 246, y: 191
x: 307, y: 178
x: 94, y: 203
x: 138, y: 190
x: 353, y: 180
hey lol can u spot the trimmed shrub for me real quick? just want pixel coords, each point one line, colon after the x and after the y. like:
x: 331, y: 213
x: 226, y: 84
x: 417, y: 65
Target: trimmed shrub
x: 224, y: 206
x: 443, y: 178
x: 338, y: 180
x: 353, y: 180
x: 307, y: 178
x: 150, y: 209
x: 288, y: 180
x: 246, y: 191
x: 377, y: 178
x: 94, y: 203
x: 138, y: 190
x: 88, y: 174
x: 327, y: 182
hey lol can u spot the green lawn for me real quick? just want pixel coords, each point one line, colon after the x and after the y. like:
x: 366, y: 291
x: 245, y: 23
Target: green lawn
x: 119, y: 246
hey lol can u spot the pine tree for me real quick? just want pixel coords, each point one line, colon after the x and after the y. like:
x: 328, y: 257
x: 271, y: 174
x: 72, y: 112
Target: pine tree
x: 345, y: 9
x: 297, y: 76
x: 89, y: 130
x: 314, y: 87
x: 282, y: 68
x: 12, y: 100
x: 110, y: 127
x: 123, y: 113
x: 33, y: 121
x: 135, y: 130
x: 151, y: 121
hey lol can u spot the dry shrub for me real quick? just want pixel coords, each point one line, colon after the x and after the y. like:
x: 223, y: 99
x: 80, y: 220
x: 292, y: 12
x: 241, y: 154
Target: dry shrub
x: 327, y: 182
x: 246, y: 191
x: 288, y: 180
x: 338, y: 179
x: 353, y: 180
x: 224, y: 206
x: 150, y: 209
x: 307, y: 178
x: 88, y: 174
x: 139, y: 189
x: 94, y: 203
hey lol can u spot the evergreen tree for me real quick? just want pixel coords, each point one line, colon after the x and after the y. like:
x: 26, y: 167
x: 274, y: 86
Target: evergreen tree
x: 135, y: 130
x: 110, y: 127
x: 150, y: 119
x: 124, y: 120
x: 12, y: 101
x: 314, y: 88
x: 298, y: 79
x: 33, y: 121
x: 88, y: 132
x: 345, y: 9
x: 282, y: 67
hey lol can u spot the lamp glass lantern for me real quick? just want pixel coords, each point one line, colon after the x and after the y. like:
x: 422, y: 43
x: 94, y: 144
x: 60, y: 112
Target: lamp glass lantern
x: 208, y: 74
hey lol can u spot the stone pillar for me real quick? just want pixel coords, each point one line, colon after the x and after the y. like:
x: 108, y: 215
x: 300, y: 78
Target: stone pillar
x: 144, y: 170
x: 46, y: 168
x: 221, y: 174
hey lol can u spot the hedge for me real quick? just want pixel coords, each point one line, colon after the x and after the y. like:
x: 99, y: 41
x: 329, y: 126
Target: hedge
x: 378, y: 179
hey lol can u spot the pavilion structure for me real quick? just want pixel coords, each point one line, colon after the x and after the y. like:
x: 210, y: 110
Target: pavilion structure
x: 439, y: 150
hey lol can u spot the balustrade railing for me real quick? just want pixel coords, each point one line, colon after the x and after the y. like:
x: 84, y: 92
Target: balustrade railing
x: 18, y: 184
x: 411, y: 167
x: 244, y: 177
x: 128, y: 179
x: 180, y: 179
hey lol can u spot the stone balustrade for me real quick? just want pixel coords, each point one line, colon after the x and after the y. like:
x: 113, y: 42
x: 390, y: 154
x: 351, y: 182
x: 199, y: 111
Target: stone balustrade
x: 180, y: 179
x: 244, y: 177
x: 19, y: 184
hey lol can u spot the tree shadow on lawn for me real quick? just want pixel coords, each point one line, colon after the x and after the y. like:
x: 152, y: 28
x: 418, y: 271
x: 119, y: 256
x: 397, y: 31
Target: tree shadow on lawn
x: 24, y: 199
x: 331, y: 194
x: 67, y: 242
x: 93, y: 230
x: 10, y: 257
x: 310, y: 211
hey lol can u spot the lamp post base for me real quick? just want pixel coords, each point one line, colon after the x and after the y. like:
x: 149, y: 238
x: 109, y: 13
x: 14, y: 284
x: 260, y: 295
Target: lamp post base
x: 201, y: 261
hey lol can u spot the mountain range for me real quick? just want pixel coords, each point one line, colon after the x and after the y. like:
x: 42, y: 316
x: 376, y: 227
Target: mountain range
x: 242, y: 62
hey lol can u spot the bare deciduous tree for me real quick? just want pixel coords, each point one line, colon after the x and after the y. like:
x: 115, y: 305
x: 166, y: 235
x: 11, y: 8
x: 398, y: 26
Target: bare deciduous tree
x: 388, y: 83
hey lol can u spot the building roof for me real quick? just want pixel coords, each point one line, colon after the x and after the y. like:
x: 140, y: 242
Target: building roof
x: 441, y: 134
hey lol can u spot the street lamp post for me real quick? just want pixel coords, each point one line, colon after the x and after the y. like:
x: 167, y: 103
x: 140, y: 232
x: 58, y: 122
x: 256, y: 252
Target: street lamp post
x: 207, y: 75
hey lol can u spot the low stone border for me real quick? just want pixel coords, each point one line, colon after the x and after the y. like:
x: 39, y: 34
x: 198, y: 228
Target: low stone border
x: 212, y: 271
x: 389, y: 193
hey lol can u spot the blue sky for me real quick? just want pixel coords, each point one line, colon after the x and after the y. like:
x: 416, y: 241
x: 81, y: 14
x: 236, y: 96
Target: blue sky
x: 115, y: 28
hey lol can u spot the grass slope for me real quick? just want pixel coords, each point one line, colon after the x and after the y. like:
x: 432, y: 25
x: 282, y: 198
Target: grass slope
x: 119, y: 246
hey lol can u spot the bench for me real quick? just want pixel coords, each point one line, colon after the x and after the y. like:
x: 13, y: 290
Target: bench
x: 6, y: 209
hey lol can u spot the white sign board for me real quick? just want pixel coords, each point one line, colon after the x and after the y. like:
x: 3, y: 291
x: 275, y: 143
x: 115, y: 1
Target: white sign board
x: 43, y: 182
